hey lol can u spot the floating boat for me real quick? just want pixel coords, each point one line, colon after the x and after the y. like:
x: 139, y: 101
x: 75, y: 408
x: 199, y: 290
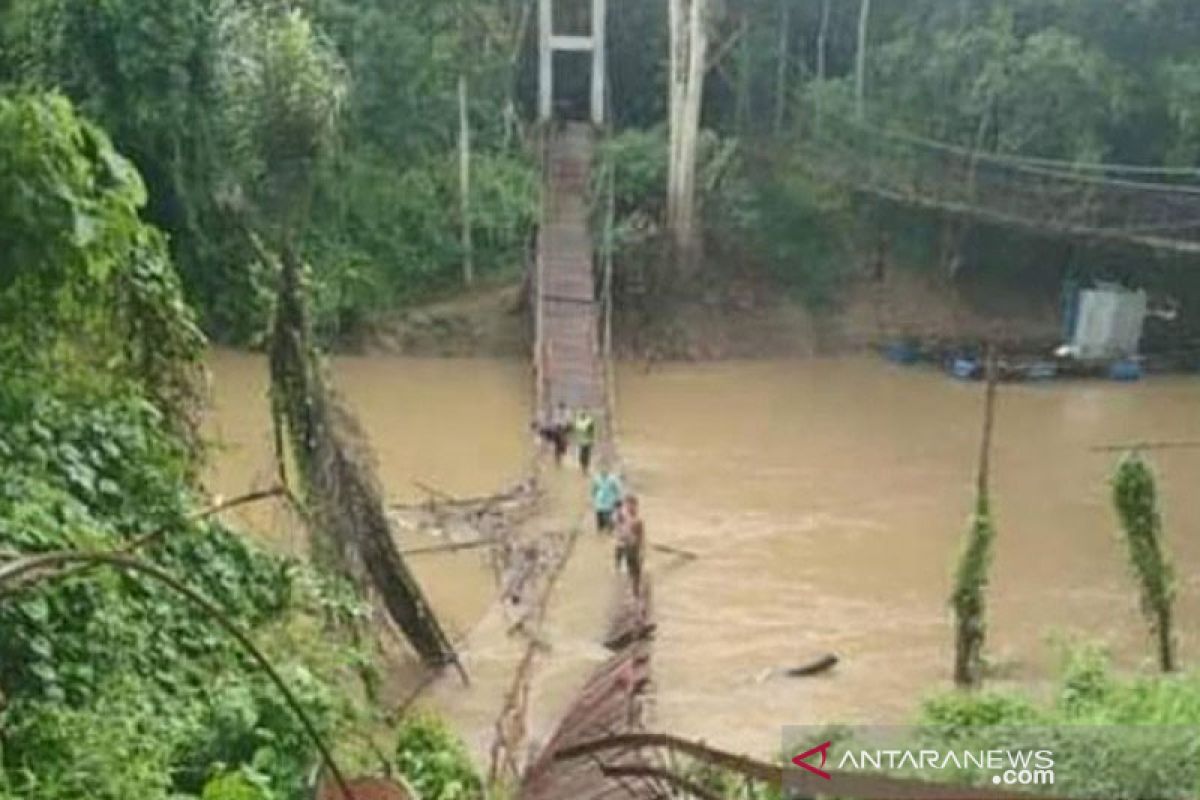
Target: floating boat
x: 1125, y: 370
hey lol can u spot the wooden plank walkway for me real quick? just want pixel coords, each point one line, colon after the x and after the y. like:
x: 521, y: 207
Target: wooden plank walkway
x: 570, y: 371
x: 569, y: 363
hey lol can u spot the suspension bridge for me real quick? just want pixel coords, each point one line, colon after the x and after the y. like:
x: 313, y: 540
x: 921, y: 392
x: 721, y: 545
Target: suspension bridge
x: 1153, y: 208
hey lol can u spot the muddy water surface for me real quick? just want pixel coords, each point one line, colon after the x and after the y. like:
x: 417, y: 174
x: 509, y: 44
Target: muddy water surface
x: 826, y: 500
x: 455, y: 426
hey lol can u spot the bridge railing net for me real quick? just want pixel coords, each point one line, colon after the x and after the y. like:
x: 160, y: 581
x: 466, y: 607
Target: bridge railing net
x: 1055, y: 197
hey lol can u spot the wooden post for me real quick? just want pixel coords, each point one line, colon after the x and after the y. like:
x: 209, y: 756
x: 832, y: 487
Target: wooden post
x: 545, y: 60
x: 464, y: 180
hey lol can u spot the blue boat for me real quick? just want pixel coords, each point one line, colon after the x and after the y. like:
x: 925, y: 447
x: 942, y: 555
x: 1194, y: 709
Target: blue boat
x: 964, y: 368
x: 1125, y: 370
x: 901, y: 353
x: 1041, y: 371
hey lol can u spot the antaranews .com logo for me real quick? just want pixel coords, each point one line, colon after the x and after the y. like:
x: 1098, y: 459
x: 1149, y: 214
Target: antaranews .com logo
x: 1009, y: 767
x: 992, y: 762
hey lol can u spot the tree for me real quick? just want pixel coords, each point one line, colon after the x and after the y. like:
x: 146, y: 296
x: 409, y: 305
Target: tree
x: 1136, y: 500
x: 689, y: 23
x: 860, y: 63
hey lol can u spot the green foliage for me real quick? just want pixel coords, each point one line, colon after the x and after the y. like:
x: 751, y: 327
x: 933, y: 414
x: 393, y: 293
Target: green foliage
x: 801, y: 228
x: 1136, y: 500
x: 969, y: 596
x: 225, y: 106
x: 232, y: 786
x: 86, y: 278
x: 281, y: 87
x: 434, y: 761
x: 113, y: 687
x: 1111, y: 737
x: 116, y: 687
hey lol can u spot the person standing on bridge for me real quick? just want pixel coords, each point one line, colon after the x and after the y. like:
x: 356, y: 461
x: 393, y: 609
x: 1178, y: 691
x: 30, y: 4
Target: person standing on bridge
x: 631, y: 541
x: 560, y: 430
x: 585, y: 437
x: 607, y: 494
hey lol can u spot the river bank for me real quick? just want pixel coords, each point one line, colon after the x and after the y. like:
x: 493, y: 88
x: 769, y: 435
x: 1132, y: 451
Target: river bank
x: 744, y: 319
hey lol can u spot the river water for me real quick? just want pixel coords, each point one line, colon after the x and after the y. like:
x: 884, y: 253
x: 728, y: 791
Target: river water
x: 826, y: 500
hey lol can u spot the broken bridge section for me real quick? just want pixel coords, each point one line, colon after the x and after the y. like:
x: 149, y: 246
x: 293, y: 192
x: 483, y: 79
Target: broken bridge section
x: 570, y: 370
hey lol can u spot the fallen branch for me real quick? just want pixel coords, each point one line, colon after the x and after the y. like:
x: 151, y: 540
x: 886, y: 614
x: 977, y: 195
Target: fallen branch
x: 674, y: 551
x: 448, y: 548
x: 210, y: 511
x: 145, y: 539
x: 441, y: 498
x: 841, y: 784
x: 689, y: 788
x: 48, y: 565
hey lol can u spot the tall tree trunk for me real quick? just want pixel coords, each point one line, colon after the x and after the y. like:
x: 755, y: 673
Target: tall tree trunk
x: 745, y: 74
x: 675, y: 87
x: 689, y: 55
x: 822, y: 47
x: 464, y: 179
x: 785, y: 24
x: 860, y: 67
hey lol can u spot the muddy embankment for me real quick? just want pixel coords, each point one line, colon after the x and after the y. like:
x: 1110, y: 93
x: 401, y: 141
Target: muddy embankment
x: 743, y: 319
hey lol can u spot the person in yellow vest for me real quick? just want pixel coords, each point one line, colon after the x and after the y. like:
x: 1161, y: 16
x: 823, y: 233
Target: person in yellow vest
x: 585, y: 438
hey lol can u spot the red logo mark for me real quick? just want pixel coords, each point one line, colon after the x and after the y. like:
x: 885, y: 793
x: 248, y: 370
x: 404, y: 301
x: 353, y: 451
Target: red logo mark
x: 823, y: 749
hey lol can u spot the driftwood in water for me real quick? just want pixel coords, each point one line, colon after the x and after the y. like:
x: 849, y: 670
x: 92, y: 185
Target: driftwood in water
x: 814, y: 667
x: 339, y: 484
x: 450, y: 547
x: 674, y: 551
x: 817, y: 666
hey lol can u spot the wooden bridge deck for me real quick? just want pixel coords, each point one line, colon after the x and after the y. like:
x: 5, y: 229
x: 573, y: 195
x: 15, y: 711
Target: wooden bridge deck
x: 570, y: 371
x: 569, y: 363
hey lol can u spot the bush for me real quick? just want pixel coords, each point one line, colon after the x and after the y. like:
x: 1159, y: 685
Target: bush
x: 434, y: 761
x: 1112, y: 737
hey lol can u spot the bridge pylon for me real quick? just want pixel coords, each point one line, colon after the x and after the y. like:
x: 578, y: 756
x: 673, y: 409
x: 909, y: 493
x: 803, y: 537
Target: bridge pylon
x: 551, y: 42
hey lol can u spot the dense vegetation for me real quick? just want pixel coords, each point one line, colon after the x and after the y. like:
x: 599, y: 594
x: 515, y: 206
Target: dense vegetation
x: 1068, y: 80
x: 1112, y: 737
x: 112, y: 686
x: 1065, y: 79
x: 169, y: 82
x: 157, y: 155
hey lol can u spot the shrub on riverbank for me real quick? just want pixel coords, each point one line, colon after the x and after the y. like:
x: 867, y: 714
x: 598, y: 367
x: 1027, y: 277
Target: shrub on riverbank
x: 1112, y: 737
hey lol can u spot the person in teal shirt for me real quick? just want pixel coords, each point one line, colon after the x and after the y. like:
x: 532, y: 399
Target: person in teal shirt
x: 606, y: 498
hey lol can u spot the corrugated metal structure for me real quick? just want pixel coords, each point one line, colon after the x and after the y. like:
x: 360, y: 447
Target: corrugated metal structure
x: 1108, y: 323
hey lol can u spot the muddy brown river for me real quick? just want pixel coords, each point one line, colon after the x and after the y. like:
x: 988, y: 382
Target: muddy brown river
x: 826, y: 500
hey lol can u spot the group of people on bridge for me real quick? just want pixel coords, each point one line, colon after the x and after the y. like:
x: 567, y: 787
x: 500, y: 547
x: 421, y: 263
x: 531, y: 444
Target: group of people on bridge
x: 616, y: 510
